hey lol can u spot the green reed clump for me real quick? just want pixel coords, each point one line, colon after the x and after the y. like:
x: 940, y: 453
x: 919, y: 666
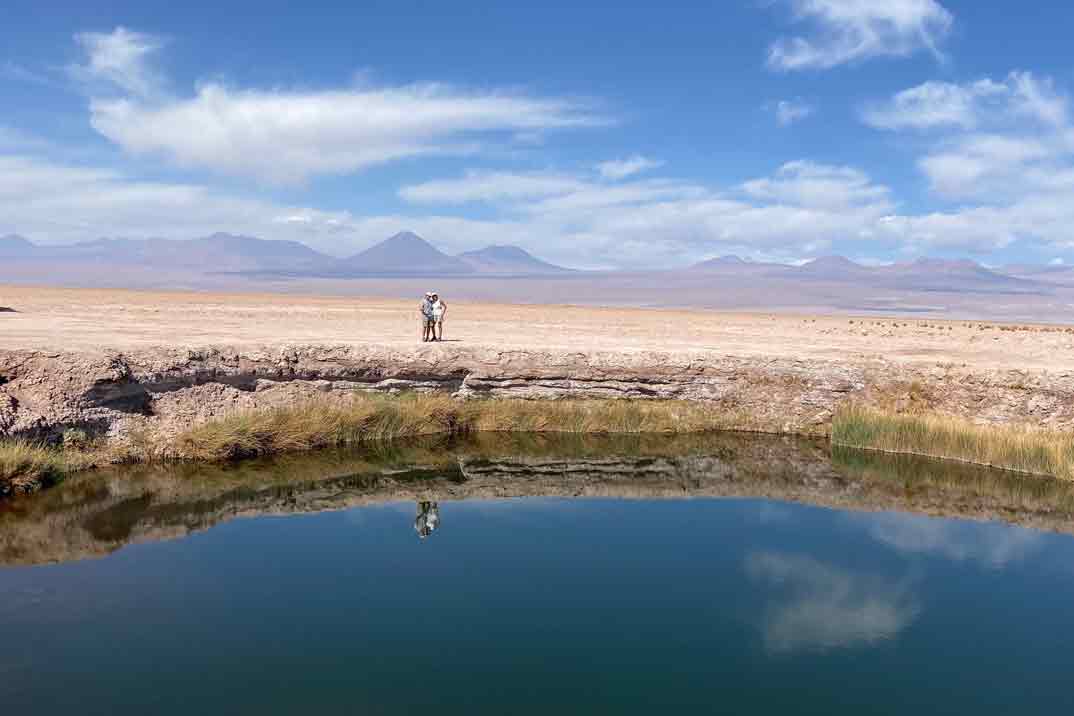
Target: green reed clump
x: 1012, y: 447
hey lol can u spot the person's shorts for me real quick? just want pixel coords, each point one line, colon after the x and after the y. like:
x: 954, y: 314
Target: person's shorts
x: 429, y: 322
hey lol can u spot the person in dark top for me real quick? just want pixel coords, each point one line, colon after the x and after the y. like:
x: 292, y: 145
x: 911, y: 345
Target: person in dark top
x: 428, y: 329
x: 428, y: 519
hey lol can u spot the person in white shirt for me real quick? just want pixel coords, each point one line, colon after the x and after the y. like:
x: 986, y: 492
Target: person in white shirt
x: 438, y: 310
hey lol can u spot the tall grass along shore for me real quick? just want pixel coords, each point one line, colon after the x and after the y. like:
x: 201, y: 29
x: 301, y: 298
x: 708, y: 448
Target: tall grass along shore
x: 363, y: 419
x: 379, y: 418
x: 26, y: 466
x: 1011, y: 447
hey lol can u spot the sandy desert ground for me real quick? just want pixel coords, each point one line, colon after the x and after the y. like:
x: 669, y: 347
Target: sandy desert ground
x: 92, y: 320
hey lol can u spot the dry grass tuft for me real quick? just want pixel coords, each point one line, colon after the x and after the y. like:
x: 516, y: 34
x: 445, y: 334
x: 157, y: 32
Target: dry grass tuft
x: 25, y: 465
x: 1010, y: 447
x: 374, y: 418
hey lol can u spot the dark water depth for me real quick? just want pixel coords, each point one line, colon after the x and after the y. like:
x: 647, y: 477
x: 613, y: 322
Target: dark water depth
x: 541, y: 575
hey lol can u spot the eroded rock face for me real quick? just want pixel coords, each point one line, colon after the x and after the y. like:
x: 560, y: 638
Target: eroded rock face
x: 44, y: 393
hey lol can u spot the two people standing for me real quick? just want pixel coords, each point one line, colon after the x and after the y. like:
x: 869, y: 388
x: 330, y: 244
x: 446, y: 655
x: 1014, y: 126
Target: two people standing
x: 432, y: 317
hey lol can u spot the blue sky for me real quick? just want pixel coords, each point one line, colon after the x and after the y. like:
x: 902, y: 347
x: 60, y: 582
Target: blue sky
x: 611, y: 135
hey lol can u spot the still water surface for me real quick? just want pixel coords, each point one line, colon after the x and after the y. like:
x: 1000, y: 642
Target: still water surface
x: 729, y: 575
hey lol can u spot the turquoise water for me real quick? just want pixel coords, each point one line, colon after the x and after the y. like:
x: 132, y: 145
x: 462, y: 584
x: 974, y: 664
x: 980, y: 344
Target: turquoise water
x: 588, y: 604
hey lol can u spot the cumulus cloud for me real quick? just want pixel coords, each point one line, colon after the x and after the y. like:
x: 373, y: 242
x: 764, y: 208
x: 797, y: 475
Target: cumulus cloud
x: 809, y: 184
x: 845, y: 31
x: 641, y: 223
x: 622, y: 168
x: 56, y: 203
x: 790, y: 111
x: 288, y: 136
x: 576, y: 219
x: 934, y: 104
x: 1000, y: 141
x: 945, y: 105
x: 60, y: 203
x: 822, y: 607
x: 121, y: 58
x: 1003, y: 149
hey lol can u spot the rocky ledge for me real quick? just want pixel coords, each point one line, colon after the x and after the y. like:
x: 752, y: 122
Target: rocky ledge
x: 43, y: 394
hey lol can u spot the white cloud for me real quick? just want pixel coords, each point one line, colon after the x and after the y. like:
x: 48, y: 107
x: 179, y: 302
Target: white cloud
x: 823, y: 607
x: 62, y: 203
x: 943, y: 105
x: 622, y: 168
x: 54, y: 203
x: 853, y: 30
x: 996, y: 141
x: 645, y: 223
x: 1003, y: 149
x: 934, y: 104
x: 790, y: 111
x: 985, y: 164
x: 809, y: 184
x: 287, y: 136
x: 576, y: 220
x: 121, y: 58
x: 490, y: 186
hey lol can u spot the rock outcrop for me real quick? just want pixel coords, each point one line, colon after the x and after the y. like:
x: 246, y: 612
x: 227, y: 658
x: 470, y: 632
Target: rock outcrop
x: 43, y: 394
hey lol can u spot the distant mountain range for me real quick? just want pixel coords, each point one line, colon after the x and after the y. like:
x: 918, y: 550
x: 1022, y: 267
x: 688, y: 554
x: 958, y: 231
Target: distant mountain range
x: 925, y: 274
x: 404, y: 254
x: 408, y: 255
x: 219, y: 252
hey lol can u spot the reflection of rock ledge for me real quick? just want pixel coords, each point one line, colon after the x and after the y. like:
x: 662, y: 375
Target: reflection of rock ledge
x: 98, y: 513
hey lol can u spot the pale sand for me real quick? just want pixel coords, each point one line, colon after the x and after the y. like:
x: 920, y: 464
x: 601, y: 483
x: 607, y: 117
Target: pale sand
x: 104, y: 319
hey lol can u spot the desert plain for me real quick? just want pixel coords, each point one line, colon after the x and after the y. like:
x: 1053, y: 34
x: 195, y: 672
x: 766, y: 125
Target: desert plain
x: 102, y: 320
x: 117, y: 363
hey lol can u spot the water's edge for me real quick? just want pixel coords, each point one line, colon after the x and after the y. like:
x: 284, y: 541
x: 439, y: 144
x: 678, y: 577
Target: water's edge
x: 96, y: 513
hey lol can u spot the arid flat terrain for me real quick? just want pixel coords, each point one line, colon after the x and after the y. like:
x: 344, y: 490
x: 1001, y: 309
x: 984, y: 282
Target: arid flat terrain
x: 91, y: 320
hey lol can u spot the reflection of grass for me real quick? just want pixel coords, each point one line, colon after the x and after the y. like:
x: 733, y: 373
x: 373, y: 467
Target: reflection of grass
x: 954, y: 484
x: 1011, y: 447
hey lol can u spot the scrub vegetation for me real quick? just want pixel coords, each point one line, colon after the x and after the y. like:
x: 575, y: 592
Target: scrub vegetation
x: 378, y: 420
x: 363, y: 419
x: 26, y: 466
x: 1011, y: 447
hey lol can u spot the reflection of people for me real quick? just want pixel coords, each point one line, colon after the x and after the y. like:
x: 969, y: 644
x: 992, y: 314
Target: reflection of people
x: 428, y: 519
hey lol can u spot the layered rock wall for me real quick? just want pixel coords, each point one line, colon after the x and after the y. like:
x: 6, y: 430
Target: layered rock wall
x: 43, y: 394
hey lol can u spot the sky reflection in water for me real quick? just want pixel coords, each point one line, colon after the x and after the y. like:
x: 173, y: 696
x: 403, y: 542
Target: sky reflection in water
x: 549, y: 603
